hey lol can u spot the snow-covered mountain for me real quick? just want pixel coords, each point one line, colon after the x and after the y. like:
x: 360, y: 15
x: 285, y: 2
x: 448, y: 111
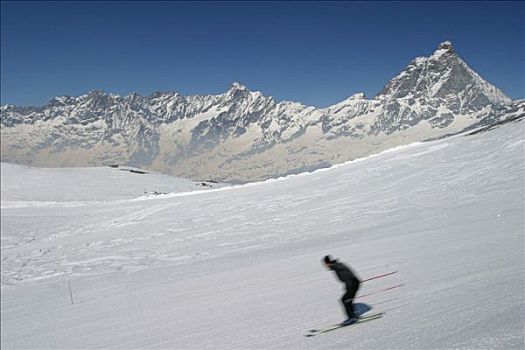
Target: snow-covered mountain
x: 242, y: 135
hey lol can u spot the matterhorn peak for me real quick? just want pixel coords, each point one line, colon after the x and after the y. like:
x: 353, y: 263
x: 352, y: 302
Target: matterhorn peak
x: 444, y: 48
x: 444, y: 76
x: 446, y: 45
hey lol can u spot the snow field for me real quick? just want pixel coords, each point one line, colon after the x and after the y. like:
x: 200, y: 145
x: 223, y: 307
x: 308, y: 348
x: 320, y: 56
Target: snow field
x: 239, y: 268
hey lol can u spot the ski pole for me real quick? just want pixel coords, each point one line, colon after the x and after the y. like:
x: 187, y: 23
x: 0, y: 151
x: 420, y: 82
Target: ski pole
x: 379, y: 276
x: 379, y: 291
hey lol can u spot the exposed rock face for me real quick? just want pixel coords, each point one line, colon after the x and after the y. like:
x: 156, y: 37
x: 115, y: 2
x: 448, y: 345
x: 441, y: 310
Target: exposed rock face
x: 436, y: 89
x: 242, y: 135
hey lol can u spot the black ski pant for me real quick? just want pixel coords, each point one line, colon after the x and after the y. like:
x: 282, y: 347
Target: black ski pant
x: 348, y: 298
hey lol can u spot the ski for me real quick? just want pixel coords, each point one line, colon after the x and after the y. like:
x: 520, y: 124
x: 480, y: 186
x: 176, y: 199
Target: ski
x: 362, y: 319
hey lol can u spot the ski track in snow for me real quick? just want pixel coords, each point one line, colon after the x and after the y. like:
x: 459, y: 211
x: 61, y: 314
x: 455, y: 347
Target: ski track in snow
x: 239, y: 267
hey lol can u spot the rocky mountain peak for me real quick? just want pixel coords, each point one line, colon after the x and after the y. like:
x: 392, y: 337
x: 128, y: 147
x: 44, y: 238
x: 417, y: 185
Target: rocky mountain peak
x: 443, y: 77
x: 446, y: 45
x: 237, y: 92
x: 96, y: 93
x: 237, y: 86
x: 357, y: 96
x: 445, y: 53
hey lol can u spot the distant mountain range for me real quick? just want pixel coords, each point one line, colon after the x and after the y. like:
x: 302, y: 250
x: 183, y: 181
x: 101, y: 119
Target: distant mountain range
x: 242, y: 135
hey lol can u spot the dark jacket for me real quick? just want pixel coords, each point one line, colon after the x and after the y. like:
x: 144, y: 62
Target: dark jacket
x: 344, y: 273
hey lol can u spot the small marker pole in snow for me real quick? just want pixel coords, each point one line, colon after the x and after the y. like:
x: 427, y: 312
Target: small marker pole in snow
x: 70, y: 292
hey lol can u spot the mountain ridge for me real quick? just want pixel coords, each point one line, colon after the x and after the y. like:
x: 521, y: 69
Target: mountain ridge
x: 242, y: 135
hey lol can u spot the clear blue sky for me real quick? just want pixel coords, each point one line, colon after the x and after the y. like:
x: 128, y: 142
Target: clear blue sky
x: 317, y: 53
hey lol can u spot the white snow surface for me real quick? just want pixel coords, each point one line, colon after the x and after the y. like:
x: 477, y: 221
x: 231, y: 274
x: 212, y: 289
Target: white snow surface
x: 239, y: 267
x: 30, y: 186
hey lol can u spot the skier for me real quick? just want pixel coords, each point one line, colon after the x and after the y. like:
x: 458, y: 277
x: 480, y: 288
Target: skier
x: 352, y: 285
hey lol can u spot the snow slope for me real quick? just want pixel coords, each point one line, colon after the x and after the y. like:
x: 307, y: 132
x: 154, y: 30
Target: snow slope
x: 239, y: 267
x: 21, y: 184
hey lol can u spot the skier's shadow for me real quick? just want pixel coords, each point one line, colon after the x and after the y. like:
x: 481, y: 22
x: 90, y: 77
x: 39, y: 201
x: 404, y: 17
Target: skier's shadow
x: 361, y: 308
